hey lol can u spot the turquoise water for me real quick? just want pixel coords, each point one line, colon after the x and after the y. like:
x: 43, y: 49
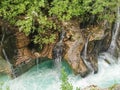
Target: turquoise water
x: 3, y: 77
x: 41, y: 77
x: 46, y: 77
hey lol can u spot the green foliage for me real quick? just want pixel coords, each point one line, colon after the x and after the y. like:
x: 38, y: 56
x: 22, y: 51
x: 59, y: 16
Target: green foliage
x: 1, y: 84
x: 30, y: 17
x: 65, y: 84
x: 77, y: 88
x: 67, y: 9
x: 40, y: 17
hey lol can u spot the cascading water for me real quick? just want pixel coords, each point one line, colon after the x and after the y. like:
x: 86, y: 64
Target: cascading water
x: 6, y: 58
x: 85, y: 49
x: 5, y: 55
x: 113, y: 51
x: 57, y: 63
x: 85, y: 57
x: 37, y: 62
x: 58, y: 52
x: 115, y: 33
x: 47, y: 78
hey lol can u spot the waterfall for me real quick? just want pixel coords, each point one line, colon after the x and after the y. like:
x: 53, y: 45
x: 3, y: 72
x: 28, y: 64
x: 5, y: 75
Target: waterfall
x: 85, y: 57
x: 85, y: 49
x: 58, y: 51
x: 48, y: 79
x: 5, y: 55
x: 8, y: 61
x: 57, y: 55
x: 37, y: 63
x: 112, y: 51
x: 115, y: 32
x: 57, y: 63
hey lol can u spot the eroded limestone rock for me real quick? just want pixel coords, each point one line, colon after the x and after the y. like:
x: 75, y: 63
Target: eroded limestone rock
x: 75, y: 44
x: 98, y: 41
x: 16, y: 46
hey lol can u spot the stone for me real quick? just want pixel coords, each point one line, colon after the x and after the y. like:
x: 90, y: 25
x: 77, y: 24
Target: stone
x: 74, y: 48
x: 16, y: 45
x: 4, y: 66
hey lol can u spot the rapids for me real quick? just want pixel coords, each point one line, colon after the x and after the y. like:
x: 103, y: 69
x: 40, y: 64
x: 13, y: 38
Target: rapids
x: 46, y: 77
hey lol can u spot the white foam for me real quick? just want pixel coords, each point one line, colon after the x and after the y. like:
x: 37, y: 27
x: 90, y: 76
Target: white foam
x: 47, y: 78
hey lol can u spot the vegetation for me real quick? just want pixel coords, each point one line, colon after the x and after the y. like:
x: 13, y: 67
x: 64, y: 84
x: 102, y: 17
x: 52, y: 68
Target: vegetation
x: 42, y: 18
x: 1, y: 84
x: 65, y: 85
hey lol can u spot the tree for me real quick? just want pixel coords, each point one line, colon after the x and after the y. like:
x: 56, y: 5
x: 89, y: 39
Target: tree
x: 41, y: 19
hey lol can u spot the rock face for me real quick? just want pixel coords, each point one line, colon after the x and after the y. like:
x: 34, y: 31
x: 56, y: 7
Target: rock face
x: 93, y: 87
x: 14, y: 48
x: 84, y: 45
x: 4, y: 66
x: 75, y: 44
x: 81, y: 47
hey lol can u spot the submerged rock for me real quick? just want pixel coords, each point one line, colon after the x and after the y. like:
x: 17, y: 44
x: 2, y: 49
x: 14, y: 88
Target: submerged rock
x: 4, y: 66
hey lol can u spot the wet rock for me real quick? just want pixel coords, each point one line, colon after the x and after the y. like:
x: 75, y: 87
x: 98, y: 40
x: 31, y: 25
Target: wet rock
x: 4, y: 66
x: 96, y: 45
x: 99, y: 41
x: 21, y: 40
x: 94, y: 87
x: 16, y: 46
x: 74, y: 47
x: 17, y: 50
